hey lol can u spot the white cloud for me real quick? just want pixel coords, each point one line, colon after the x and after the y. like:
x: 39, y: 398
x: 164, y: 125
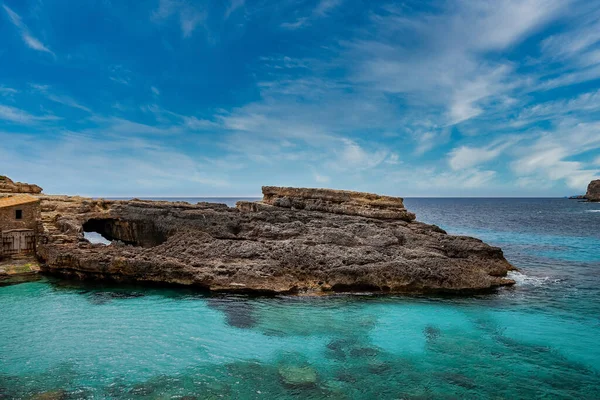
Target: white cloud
x: 31, y: 41
x: 6, y: 91
x: 580, y: 44
x: 465, y: 157
x: 233, y: 6
x: 181, y: 121
x: 467, y: 179
x: 353, y: 157
x: 550, y: 156
x: 189, y: 22
x: 120, y: 74
x: 426, y: 141
x: 582, y: 104
x: 189, y: 16
x: 439, y: 60
x: 533, y: 183
x: 59, y: 98
x: 300, y: 22
x: 122, y: 126
x: 437, y: 182
x: 155, y: 90
x: 393, y: 159
x: 322, y: 178
x: 321, y: 10
x: 19, y: 116
x: 80, y: 159
x: 325, y: 6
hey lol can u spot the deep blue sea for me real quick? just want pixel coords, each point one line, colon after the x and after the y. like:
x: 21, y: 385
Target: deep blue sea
x: 539, y: 339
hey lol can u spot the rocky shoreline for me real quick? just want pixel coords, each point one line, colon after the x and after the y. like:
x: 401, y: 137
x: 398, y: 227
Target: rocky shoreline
x: 312, y: 241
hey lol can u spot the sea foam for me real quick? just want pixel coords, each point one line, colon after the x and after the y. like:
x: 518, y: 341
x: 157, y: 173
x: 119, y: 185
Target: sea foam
x: 526, y: 280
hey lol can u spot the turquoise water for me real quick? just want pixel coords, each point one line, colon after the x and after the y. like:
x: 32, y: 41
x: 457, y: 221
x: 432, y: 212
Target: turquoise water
x: 536, y: 340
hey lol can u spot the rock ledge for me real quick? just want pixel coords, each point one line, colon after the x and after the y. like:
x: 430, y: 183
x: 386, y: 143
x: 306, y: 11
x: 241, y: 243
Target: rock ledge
x: 337, y: 202
x: 8, y: 186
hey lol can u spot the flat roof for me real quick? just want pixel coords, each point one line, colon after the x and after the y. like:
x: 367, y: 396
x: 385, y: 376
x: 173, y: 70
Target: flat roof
x: 17, y: 200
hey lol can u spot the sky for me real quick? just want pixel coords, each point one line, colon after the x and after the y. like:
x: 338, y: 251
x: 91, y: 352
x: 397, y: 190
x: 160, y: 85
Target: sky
x: 217, y: 98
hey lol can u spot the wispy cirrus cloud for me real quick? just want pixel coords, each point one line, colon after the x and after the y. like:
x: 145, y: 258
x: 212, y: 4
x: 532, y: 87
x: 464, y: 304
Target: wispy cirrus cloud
x: 575, y: 50
x: 321, y: 10
x: 440, y: 59
x: 442, y: 183
x: 465, y: 157
x: 234, y: 5
x: 18, y: 116
x: 189, y: 16
x: 31, y: 41
x: 550, y: 155
x: 47, y: 91
x: 80, y: 158
x: 120, y: 74
x: 7, y: 91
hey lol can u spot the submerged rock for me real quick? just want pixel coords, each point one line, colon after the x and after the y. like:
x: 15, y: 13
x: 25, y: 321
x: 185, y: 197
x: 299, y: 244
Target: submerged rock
x: 51, y: 395
x: 593, y: 191
x: 292, y: 375
x: 295, y: 240
x: 431, y: 333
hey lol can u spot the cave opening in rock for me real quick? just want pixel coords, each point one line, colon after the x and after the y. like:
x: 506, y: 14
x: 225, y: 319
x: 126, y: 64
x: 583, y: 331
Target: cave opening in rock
x: 136, y: 233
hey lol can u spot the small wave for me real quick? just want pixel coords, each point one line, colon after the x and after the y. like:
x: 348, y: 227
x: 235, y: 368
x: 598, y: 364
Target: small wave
x: 593, y: 210
x: 526, y: 280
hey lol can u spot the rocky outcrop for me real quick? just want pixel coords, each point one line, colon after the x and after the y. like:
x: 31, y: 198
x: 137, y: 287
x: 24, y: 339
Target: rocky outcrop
x: 593, y: 191
x: 337, y: 202
x: 8, y: 186
x: 294, y: 240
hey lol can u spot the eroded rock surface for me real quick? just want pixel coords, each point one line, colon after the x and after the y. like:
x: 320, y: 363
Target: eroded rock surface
x: 295, y: 240
x: 8, y: 186
x: 593, y: 191
x: 337, y: 202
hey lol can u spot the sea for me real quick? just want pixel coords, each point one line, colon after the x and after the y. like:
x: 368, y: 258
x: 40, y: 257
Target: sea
x: 537, y: 340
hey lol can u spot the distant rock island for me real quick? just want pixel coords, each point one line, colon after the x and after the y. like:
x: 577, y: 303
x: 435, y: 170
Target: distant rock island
x: 593, y: 191
x: 293, y: 241
x: 592, y: 194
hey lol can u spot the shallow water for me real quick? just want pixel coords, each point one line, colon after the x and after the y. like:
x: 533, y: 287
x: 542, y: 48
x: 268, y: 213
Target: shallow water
x: 536, y: 340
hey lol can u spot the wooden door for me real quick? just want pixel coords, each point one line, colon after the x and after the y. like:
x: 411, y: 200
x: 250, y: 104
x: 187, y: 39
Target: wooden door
x: 16, y: 242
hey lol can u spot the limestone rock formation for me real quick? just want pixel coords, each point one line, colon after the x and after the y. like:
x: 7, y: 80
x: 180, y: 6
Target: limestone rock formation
x: 8, y: 186
x: 593, y: 191
x: 337, y: 202
x: 293, y: 241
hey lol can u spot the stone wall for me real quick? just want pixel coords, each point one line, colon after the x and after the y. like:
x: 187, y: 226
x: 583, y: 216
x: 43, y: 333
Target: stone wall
x: 31, y: 216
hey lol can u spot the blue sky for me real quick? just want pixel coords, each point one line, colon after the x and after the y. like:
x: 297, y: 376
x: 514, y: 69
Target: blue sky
x: 216, y: 98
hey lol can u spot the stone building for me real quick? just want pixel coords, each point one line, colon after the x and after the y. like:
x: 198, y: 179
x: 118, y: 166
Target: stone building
x: 19, y: 217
